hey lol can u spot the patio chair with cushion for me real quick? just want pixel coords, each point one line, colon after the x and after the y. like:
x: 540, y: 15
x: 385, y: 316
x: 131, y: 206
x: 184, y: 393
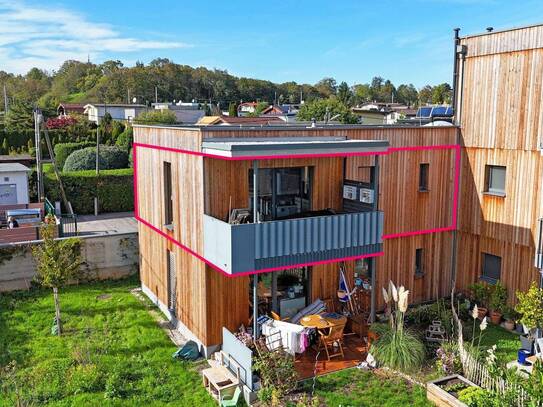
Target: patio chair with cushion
x: 332, y: 339
x: 316, y: 307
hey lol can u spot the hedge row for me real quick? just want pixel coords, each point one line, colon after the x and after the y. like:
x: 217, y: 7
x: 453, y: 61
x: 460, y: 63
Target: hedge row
x: 111, y: 158
x: 114, y: 189
x: 63, y: 150
x: 20, y: 139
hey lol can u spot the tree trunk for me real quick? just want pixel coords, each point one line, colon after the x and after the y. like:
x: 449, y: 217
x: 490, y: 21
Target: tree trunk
x: 57, y: 310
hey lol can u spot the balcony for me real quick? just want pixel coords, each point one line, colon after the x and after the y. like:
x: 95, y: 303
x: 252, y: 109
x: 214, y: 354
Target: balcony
x: 252, y: 247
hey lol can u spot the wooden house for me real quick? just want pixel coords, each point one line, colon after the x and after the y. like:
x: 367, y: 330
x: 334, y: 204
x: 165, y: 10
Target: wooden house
x: 379, y: 200
x: 499, y: 110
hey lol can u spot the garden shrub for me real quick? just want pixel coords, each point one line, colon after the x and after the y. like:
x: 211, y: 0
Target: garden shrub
x: 125, y: 139
x: 397, y: 347
x: 404, y: 352
x: 111, y: 157
x: 63, y: 150
x: 114, y: 189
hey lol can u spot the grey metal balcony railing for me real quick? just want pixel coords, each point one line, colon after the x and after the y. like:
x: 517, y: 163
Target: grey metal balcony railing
x: 249, y: 247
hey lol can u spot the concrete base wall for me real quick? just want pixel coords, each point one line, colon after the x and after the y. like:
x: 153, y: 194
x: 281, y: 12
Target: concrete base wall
x: 104, y: 257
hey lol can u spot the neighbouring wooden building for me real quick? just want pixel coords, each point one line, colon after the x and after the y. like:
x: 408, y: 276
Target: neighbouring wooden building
x: 500, y: 111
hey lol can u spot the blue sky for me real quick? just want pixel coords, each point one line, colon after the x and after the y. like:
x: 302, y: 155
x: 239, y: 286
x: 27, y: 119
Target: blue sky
x: 304, y: 40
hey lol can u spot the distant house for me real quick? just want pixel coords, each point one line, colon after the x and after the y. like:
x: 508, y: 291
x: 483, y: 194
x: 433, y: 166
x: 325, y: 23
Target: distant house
x: 239, y: 121
x: 118, y: 111
x: 65, y: 109
x: 13, y: 184
x: 246, y: 108
x: 382, y: 112
x: 185, y: 112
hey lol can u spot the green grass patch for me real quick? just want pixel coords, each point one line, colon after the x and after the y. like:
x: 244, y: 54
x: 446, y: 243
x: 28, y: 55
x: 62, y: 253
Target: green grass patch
x: 355, y: 387
x: 112, y: 352
x: 507, y: 343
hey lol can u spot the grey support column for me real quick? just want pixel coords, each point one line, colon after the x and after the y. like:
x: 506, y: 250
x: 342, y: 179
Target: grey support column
x: 255, y: 276
x: 373, y: 262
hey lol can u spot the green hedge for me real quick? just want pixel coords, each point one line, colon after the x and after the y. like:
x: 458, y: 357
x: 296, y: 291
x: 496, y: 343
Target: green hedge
x: 114, y: 189
x: 111, y: 158
x: 20, y: 140
x: 63, y: 150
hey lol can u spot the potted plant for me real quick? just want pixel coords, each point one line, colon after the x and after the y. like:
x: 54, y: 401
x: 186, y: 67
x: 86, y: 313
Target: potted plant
x: 530, y: 309
x: 510, y: 315
x: 480, y: 293
x: 497, y: 301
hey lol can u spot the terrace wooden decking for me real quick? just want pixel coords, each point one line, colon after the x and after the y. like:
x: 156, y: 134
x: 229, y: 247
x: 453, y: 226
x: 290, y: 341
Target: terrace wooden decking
x: 355, y: 350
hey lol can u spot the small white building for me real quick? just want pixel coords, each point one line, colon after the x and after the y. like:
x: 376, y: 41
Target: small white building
x: 14, y: 184
x: 118, y: 111
x: 185, y: 112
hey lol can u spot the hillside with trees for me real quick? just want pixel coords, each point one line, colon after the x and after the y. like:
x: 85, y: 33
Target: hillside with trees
x: 112, y: 82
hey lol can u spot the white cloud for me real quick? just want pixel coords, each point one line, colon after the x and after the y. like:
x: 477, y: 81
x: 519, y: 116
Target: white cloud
x: 35, y: 36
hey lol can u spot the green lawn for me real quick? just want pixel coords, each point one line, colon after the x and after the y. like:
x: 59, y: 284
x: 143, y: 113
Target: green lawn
x: 355, y: 387
x: 111, y: 354
x: 507, y: 343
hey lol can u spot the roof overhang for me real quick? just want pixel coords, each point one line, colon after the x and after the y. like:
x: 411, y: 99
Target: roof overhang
x: 291, y: 146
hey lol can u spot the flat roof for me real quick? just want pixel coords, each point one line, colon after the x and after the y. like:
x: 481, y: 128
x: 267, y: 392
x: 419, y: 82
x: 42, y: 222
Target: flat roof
x: 290, y: 146
x: 280, y: 127
x: 13, y: 167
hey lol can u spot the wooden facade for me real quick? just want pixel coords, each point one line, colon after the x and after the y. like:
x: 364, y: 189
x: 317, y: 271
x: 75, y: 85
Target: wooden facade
x: 500, y: 106
x: 206, y: 299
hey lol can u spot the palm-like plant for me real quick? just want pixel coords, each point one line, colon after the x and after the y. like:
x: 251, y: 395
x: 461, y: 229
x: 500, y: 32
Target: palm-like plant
x: 397, y: 347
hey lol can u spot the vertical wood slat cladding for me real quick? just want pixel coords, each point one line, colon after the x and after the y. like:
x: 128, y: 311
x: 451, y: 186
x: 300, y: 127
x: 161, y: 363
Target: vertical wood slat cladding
x: 512, y: 218
x: 207, y: 300
x: 187, y: 179
x: 517, y: 270
x: 501, y: 121
x: 502, y: 99
x: 518, y: 39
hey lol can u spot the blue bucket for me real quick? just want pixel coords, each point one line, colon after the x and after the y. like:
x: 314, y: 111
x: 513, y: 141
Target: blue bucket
x: 522, y: 355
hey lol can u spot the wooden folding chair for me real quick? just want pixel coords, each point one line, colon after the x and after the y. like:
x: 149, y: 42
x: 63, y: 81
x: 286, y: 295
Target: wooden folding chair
x: 328, y: 340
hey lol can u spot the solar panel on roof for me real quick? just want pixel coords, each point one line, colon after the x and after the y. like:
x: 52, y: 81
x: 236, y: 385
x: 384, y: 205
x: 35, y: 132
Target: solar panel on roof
x: 424, y: 111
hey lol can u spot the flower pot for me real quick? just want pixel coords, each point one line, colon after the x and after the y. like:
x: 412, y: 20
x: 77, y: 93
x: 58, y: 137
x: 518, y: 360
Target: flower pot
x: 495, y: 317
x: 527, y: 343
x: 509, y: 325
x: 372, y: 337
x: 481, y: 313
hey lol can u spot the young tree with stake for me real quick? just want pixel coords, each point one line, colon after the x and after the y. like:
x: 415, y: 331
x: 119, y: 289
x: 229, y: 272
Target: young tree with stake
x: 58, y: 261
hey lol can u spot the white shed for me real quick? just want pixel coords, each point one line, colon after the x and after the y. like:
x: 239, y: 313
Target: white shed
x: 13, y: 184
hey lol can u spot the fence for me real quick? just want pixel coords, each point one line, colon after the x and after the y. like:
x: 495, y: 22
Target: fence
x: 67, y: 225
x: 476, y: 372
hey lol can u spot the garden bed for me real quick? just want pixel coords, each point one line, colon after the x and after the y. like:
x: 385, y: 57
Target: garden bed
x: 444, y: 391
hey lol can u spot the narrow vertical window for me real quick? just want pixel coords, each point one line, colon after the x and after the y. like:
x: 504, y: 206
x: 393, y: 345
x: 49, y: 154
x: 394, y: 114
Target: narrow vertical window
x: 423, y: 177
x: 419, y: 262
x: 168, y: 201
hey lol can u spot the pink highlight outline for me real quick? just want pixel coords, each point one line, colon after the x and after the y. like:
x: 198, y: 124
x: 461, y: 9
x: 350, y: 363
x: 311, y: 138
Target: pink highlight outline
x: 390, y: 150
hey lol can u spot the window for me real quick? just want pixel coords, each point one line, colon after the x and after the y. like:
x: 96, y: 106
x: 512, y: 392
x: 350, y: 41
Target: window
x: 423, y: 177
x: 168, y: 202
x: 495, y: 180
x: 419, y: 262
x: 492, y: 266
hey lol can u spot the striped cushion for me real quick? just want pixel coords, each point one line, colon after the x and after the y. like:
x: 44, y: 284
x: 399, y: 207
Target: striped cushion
x: 316, y: 307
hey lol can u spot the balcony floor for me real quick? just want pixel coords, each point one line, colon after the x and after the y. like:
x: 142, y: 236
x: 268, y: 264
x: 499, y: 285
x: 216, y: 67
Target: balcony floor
x: 355, y: 350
